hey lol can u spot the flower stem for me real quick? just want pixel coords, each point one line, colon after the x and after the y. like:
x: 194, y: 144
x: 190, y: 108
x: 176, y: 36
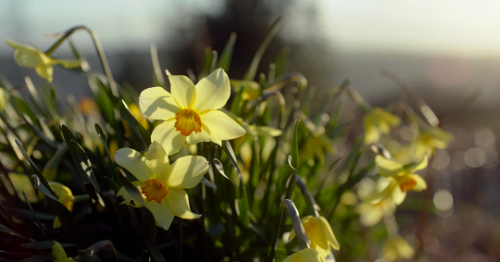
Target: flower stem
x: 98, y: 47
x: 312, y: 207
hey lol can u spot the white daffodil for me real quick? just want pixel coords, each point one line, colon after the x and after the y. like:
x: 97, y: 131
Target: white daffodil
x: 161, y: 184
x: 190, y: 112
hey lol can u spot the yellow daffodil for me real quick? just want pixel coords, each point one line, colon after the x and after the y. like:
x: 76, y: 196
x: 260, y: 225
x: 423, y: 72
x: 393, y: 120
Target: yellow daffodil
x: 30, y: 57
x: 191, y: 112
x: 59, y: 253
x: 4, y: 98
x: 64, y: 195
x: 305, y: 255
x: 401, y: 178
x: 320, y: 234
x: 430, y: 139
x: 161, y: 184
x: 397, y: 248
x: 136, y: 112
x: 377, y: 122
x: 250, y: 89
x: 371, y: 213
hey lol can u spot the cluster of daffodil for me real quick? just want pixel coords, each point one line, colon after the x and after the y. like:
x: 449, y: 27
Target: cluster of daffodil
x: 396, y: 176
x: 128, y: 180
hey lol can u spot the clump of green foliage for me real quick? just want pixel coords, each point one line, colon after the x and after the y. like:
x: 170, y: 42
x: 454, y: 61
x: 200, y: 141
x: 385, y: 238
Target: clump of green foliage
x: 299, y: 156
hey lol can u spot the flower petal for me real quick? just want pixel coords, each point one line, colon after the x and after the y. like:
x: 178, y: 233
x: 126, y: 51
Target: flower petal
x: 45, y: 71
x: 387, y: 167
x: 25, y: 55
x: 420, y: 185
x: 329, y: 234
x: 134, y: 162
x: 128, y: 199
x: 157, y: 103
x: 221, y: 126
x: 171, y: 139
x: 187, y: 171
x: 178, y: 202
x: 157, y: 159
x: 213, y: 91
x: 195, y: 138
x: 422, y: 164
x: 183, y: 91
x: 162, y: 214
x: 398, y: 196
x: 67, y: 63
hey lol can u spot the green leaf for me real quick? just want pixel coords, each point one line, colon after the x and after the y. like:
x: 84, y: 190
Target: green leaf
x: 281, y: 61
x: 145, y: 238
x: 9, y: 231
x: 102, y: 136
x: 220, y: 168
x: 294, y: 151
x: 35, y: 168
x: 44, y: 245
x: 83, y: 164
x: 140, y: 134
x: 252, y: 70
x: 158, y: 75
x: 38, y: 258
x: 242, y: 201
x: 67, y: 220
x: 225, y: 58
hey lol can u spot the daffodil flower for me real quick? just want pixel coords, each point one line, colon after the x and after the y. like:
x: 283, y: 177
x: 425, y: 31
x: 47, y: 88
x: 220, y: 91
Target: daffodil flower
x: 191, y: 112
x: 30, y: 57
x: 65, y: 196
x: 397, y: 248
x: 305, y: 255
x: 59, y: 254
x: 161, y: 184
x: 378, y: 122
x: 320, y: 234
x: 371, y: 213
x: 430, y: 139
x: 401, y: 179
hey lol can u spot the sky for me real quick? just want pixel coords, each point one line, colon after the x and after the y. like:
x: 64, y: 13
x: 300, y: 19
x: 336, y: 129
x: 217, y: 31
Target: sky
x: 456, y: 27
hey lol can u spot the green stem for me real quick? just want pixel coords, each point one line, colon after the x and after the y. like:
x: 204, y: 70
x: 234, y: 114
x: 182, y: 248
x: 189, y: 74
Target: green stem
x: 312, y: 207
x: 98, y: 47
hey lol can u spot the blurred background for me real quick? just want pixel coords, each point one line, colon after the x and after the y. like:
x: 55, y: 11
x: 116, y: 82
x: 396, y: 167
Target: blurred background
x: 448, y: 51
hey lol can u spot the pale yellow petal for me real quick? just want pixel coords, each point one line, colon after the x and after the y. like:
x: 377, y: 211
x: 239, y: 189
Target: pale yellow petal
x: 134, y: 162
x: 183, y: 91
x: 398, y: 196
x: 420, y: 165
x: 220, y: 126
x: 329, y: 234
x: 178, y: 202
x: 171, y: 139
x: 305, y: 255
x: 162, y: 214
x: 195, y: 138
x: 187, y: 171
x: 157, y: 160
x: 58, y: 252
x: 387, y: 167
x: 420, y: 185
x: 157, y: 103
x: 45, y: 71
x: 127, y: 198
x: 213, y: 91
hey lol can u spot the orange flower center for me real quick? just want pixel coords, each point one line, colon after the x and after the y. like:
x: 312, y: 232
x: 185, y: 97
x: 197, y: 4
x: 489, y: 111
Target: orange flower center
x: 407, y: 184
x: 154, y: 190
x: 187, y: 121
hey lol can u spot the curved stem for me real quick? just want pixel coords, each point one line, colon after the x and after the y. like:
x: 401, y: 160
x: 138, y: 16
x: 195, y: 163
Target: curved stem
x: 98, y: 47
x: 312, y: 207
